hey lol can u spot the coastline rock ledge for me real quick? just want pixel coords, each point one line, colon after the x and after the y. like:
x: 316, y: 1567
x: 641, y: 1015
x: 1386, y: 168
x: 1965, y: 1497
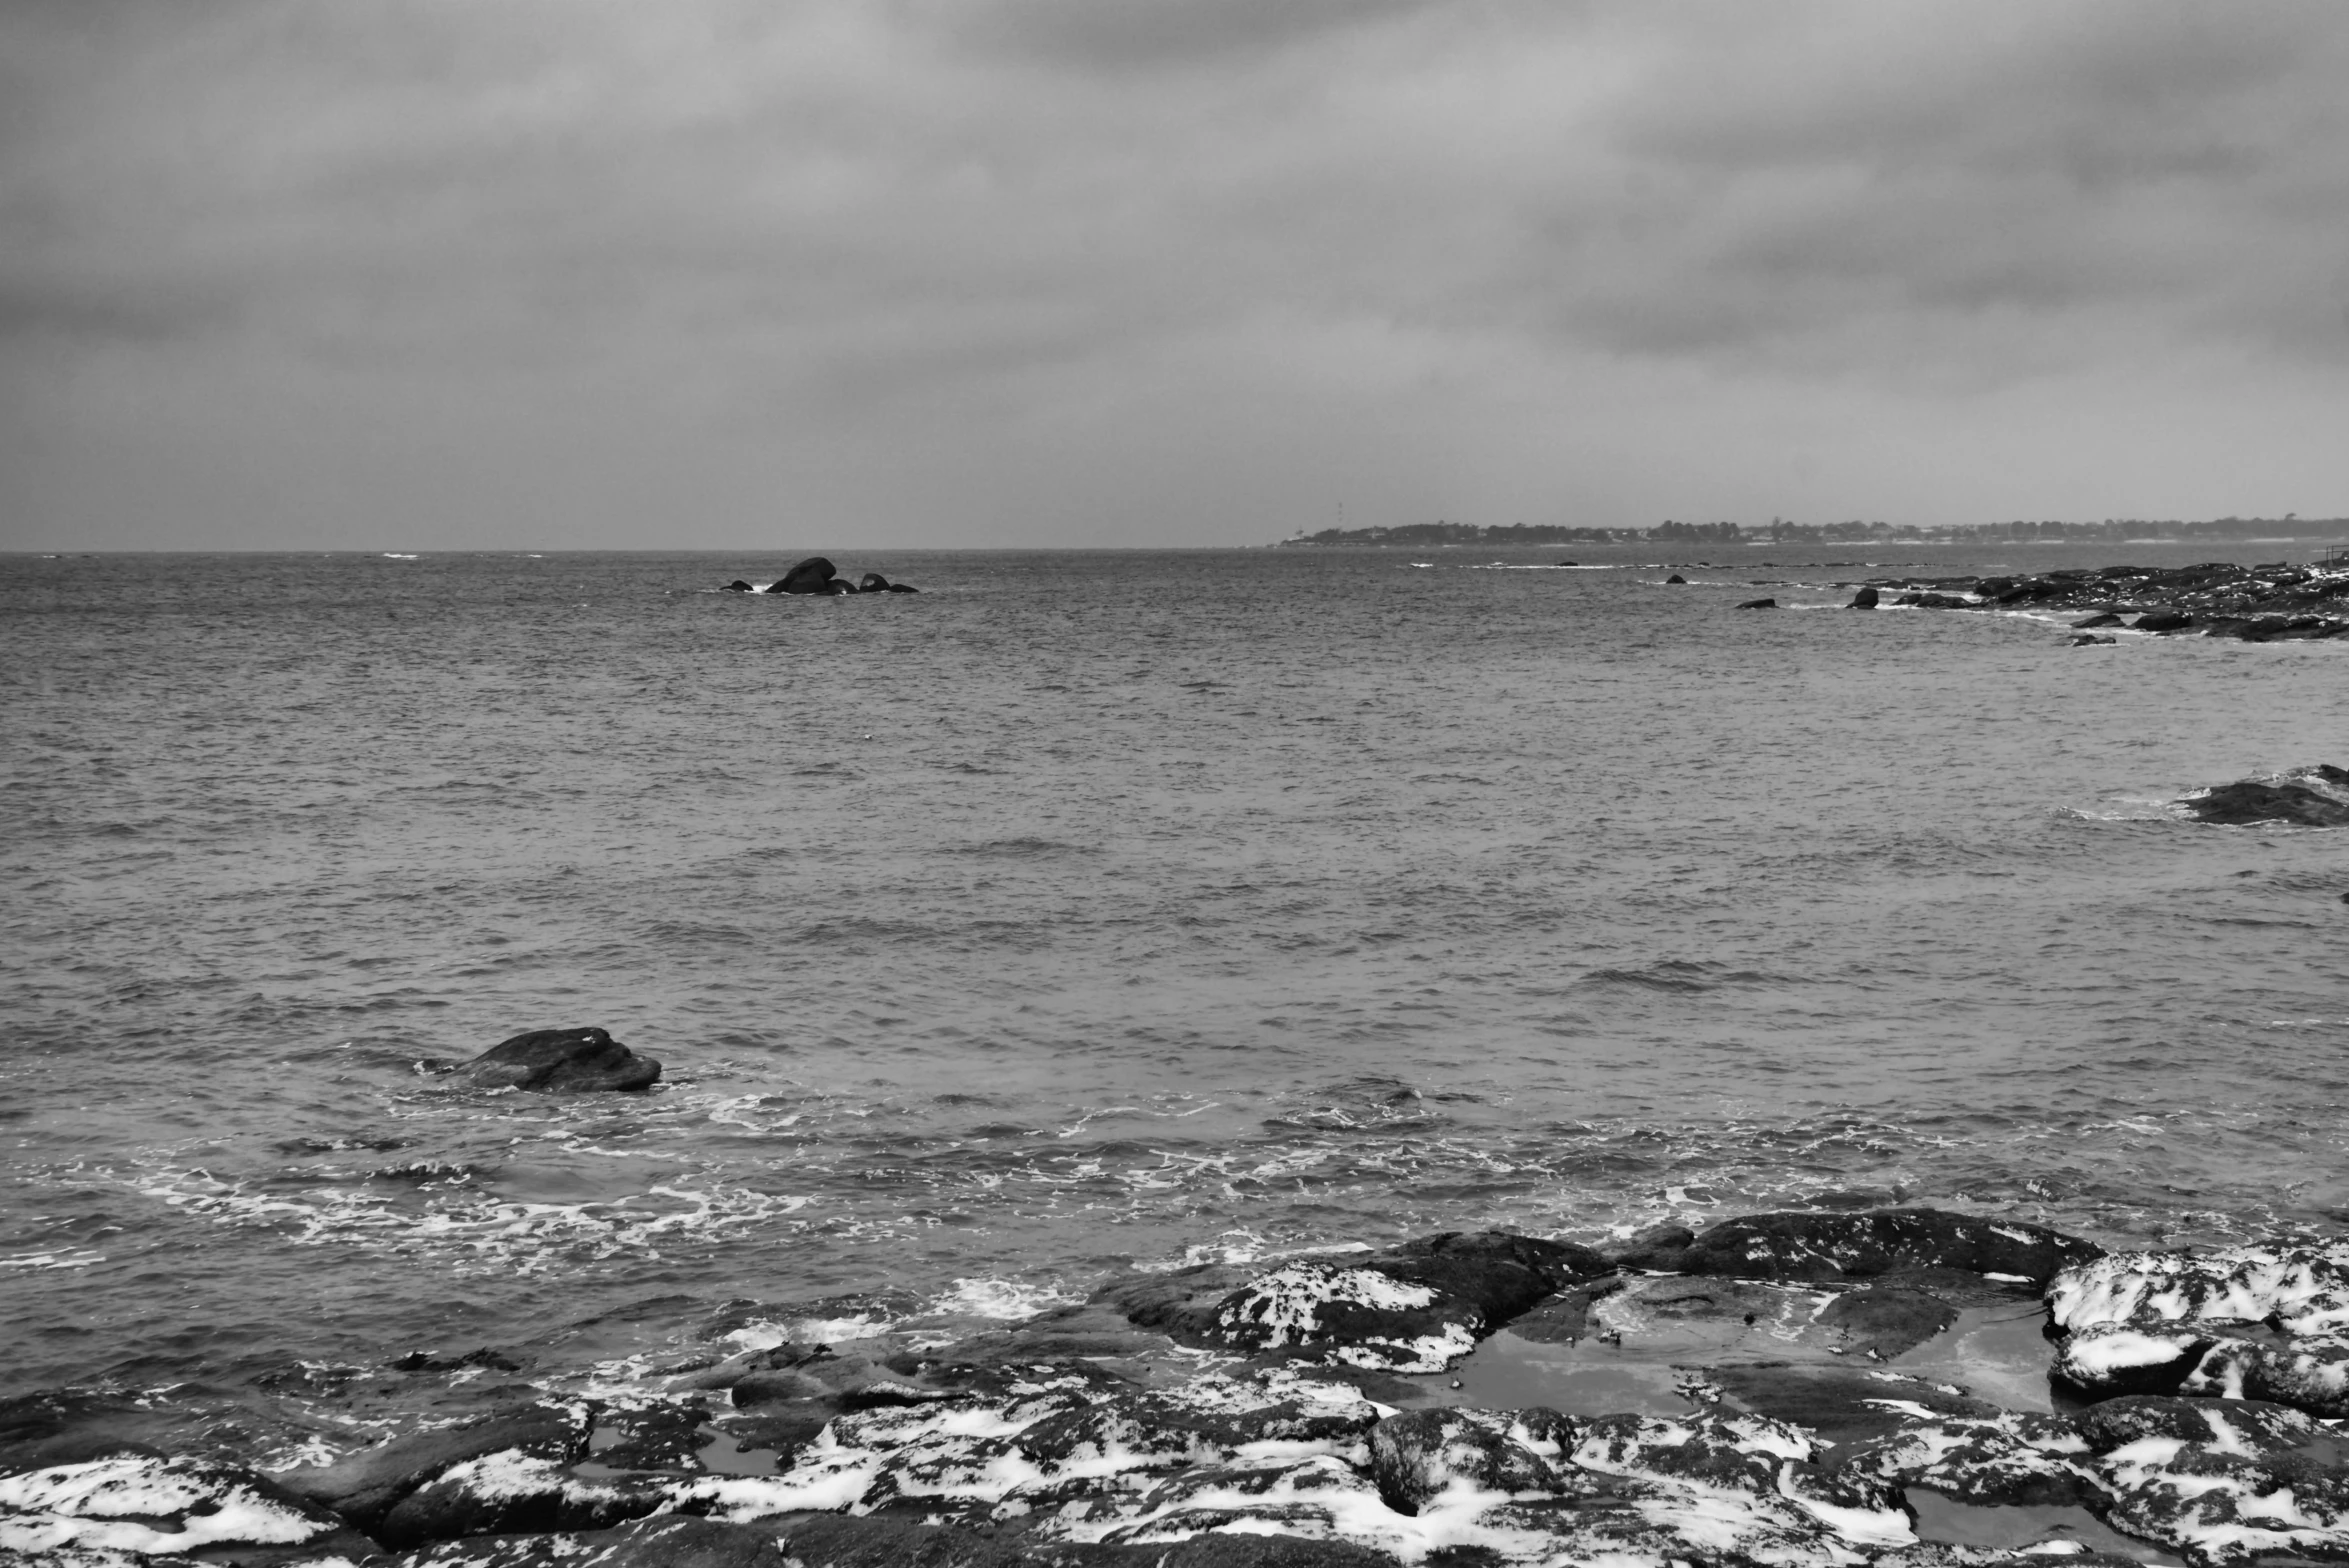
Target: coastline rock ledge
x: 2198, y: 1421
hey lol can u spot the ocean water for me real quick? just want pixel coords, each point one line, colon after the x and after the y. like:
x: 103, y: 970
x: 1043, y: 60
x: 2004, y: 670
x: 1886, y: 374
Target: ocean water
x: 1089, y: 911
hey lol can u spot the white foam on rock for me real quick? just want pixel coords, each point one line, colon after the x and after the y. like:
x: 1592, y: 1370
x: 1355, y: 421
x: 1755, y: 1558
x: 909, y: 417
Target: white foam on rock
x: 1288, y: 1305
x: 2304, y: 1290
x: 112, y: 1505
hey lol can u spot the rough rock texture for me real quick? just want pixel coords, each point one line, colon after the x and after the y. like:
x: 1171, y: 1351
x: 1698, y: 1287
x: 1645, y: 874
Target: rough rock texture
x: 509, y: 1491
x: 1882, y: 1241
x: 1417, y: 1456
x: 2316, y: 797
x: 2261, y: 1323
x: 559, y: 1061
x: 2220, y: 1481
x: 148, y: 1506
x: 1416, y: 1308
x: 2219, y: 599
x: 363, y: 1487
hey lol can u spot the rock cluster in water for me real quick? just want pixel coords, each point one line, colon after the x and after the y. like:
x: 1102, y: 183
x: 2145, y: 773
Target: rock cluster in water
x: 816, y: 575
x: 2276, y: 603
x: 1263, y: 1415
x: 558, y: 1061
x: 2315, y: 797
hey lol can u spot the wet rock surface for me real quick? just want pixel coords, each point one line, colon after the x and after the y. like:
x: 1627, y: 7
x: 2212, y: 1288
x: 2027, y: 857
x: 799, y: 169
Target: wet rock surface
x: 1815, y: 1395
x: 817, y: 576
x: 2313, y: 797
x: 559, y: 1061
x: 2276, y: 602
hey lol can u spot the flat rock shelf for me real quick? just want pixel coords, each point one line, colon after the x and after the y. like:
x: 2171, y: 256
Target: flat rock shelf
x: 1898, y: 1386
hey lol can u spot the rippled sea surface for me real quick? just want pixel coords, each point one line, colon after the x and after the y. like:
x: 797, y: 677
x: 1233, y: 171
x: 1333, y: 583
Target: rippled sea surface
x: 1087, y: 911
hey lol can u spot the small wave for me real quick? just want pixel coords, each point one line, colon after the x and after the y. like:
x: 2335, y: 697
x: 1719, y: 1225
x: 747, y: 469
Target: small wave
x: 471, y: 1230
x: 1672, y: 975
x: 52, y: 1260
x: 1021, y: 848
x: 999, y: 1298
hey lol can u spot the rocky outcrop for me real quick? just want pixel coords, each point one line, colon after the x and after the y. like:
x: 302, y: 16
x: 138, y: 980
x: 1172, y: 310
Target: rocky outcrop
x: 1801, y: 1245
x: 135, y: 1506
x: 819, y: 577
x: 560, y: 1061
x: 1779, y: 1449
x: 1759, y: 604
x: 815, y: 575
x: 1417, y: 1308
x: 2218, y: 599
x: 2261, y: 1323
x: 1865, y: 599
x: 365, y: 1486
x: 2316, y: 797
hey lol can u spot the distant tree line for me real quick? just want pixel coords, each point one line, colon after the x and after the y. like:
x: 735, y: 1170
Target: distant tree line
x: 2115, y: 529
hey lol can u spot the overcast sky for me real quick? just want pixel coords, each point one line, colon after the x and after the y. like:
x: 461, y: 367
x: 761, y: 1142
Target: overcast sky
x: 764, y: 274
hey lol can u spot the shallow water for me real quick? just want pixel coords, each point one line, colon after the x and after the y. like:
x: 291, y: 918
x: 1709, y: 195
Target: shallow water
x: 1094, y: 910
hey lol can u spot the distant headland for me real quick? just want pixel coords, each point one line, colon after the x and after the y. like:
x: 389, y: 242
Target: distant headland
x: 1780, y: 530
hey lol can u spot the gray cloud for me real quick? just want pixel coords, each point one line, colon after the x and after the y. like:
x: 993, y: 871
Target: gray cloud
x: 995, y: 257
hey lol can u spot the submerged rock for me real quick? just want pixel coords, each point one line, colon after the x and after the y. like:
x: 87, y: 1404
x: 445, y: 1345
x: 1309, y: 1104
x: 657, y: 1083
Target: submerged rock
x: 2316, y: 797
x: 1759, y: 604
x: 559, y: 1061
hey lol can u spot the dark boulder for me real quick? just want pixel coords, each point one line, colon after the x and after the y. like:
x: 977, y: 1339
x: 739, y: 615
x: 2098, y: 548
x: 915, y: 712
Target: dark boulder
x: 739, y: 586
x: 1660, y: 1246
x: 2164, y: 621
x: 2315, y: 797
x: 1934, y: 601
x: 1415, y: 1307
x: 1803, y: 1245
x: 1865, y: 599
x: 2087, y: 640
x: 873, y: 582
x: 1759, y: 604
x: 813, y: 575
x: 559, y: 1061
x: 1675, y: 578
